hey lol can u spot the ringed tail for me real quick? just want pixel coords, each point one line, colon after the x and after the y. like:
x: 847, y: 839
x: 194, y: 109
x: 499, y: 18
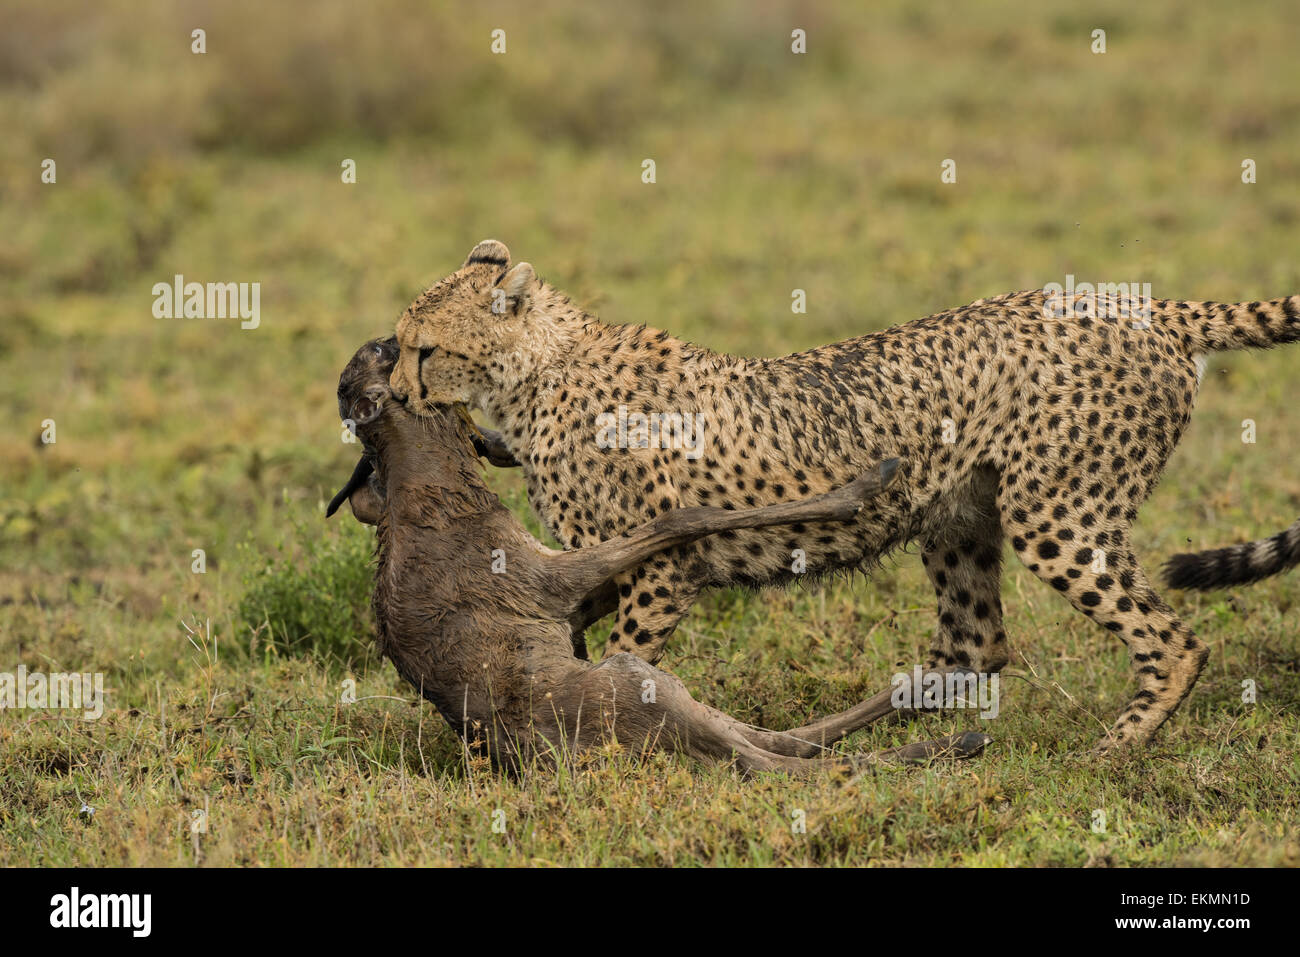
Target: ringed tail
x: 1235, y: 565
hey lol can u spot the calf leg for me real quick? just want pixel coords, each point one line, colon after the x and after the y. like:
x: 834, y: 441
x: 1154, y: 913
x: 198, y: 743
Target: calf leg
x: 585, y: 569
x: 492, y: 446
x: 966, y: 575
x: 966, y: 572
x: 814, y: 738
x: 628, y: 699
x: 367, y: 502
x: 594, y: 607
x: 967, y: 579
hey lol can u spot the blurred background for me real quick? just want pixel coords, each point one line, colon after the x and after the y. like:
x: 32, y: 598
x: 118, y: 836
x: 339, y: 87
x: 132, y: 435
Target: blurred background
x: 775, y: 171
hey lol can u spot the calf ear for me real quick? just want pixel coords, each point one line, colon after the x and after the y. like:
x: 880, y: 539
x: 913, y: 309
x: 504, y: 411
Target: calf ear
x: 489, y: 252
x: 371, y: 403
x: 515, y: 286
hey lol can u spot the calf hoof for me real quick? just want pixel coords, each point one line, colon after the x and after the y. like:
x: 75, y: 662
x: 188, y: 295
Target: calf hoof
x: 965, y: 745
x: 968, y: 744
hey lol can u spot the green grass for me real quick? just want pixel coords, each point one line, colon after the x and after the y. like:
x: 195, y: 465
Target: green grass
x: 775, y: 172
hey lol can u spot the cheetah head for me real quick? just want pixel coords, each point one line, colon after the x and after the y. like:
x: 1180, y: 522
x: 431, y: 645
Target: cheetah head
x: 466, y: 335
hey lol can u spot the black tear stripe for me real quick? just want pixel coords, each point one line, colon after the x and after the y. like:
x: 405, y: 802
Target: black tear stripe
x: 424, y: 354
x: 419, y: 371
x: 359, y: 476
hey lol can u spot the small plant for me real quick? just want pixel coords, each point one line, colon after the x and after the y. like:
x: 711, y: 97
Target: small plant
x: 316, y: 602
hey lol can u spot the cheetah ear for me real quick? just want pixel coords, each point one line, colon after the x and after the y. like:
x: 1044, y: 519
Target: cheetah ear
x: 515, y: 285
x: 489, y: 252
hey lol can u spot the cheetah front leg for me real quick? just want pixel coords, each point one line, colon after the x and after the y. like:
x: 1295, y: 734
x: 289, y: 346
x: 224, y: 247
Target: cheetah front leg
x: 967, y: 580
x: 652, y: 599
x: 964, y: 564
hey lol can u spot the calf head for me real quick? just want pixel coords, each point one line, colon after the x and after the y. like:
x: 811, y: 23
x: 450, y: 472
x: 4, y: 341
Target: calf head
x: 367, y: 404
x: 363, y: 394
x: 363, y: 386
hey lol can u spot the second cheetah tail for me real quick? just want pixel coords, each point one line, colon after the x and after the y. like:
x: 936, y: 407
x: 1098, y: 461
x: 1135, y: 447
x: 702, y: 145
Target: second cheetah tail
x: 1235, y: 565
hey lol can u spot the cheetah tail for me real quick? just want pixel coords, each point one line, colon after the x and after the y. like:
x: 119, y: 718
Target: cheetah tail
x: 1214, y: 326
x: 1235, y: 565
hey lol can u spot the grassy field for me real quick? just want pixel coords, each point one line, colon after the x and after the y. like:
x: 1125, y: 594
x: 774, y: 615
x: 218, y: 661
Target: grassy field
x: 775, y: 171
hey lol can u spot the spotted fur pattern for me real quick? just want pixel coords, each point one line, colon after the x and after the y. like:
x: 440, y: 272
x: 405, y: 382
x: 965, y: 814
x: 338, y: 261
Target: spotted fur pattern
x: 1013, y: 426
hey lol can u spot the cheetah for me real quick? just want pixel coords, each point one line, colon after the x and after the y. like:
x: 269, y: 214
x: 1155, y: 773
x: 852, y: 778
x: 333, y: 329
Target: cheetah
x: 1029, y: 417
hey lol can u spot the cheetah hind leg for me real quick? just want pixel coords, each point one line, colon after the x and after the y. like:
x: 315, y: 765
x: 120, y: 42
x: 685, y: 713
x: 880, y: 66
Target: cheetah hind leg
x: 1166, y: 656
x: 967, y: 578
x: 965, y: 568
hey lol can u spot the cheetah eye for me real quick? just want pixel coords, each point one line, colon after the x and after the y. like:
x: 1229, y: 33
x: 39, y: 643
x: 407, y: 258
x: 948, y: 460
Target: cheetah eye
x: 425, y: 353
